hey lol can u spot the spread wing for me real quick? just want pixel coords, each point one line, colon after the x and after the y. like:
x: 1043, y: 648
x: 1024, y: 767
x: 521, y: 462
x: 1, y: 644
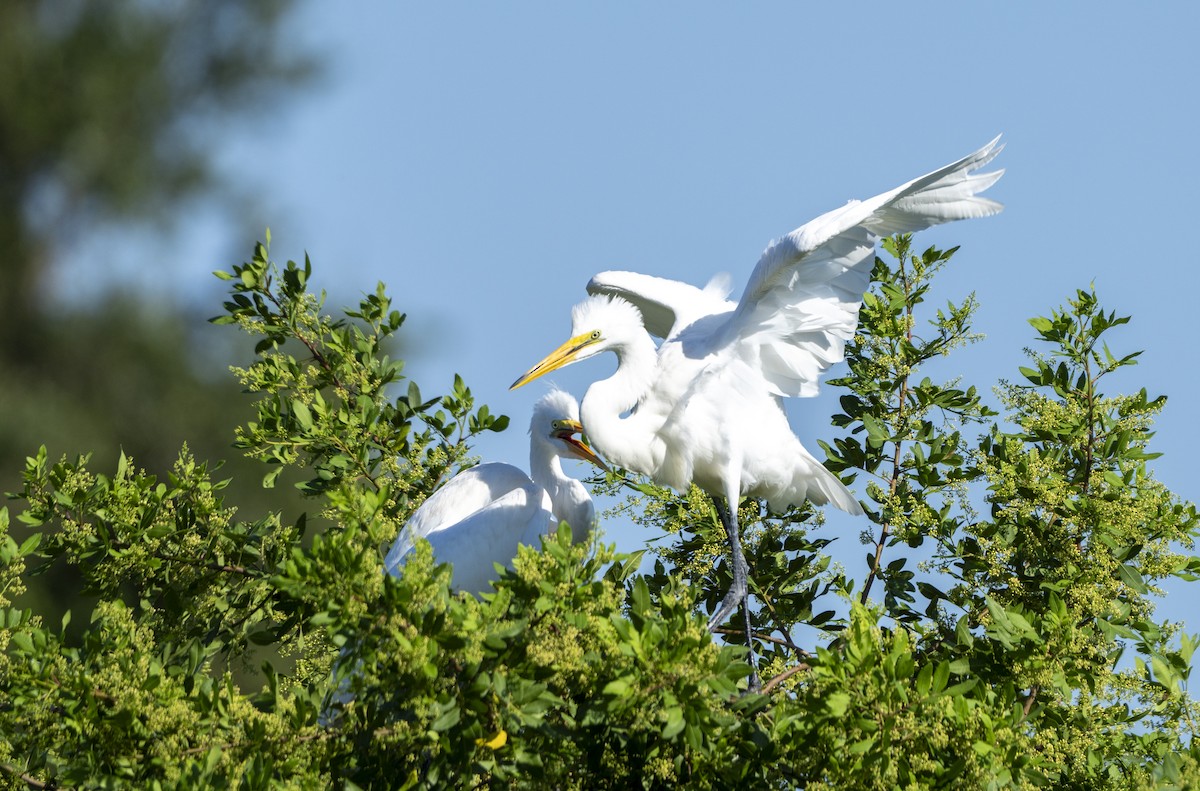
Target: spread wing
x: 667, y: 306
x: 800, y: 306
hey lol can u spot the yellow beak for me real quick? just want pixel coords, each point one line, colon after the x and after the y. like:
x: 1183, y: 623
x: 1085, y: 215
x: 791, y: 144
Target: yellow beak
x: 579, y: 447
x: 563, y: 355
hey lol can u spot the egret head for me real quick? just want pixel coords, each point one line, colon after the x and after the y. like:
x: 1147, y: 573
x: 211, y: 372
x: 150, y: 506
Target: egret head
x: 598, y: 324
x: 556, y: 418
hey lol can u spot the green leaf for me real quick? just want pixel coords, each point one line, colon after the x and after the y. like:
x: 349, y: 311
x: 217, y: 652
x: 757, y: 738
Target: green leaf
x: 447, y: 720
x: 924, y: 680
x: 941, y: 675
x: 618, y: 688
x: 30, y: 544
x: 837, y: 703
x: 675, y: 723
x: 860, y: 747
x: 1131, y: 577
x: 982, y: 748
x: 23, y: 641
x: 302, y: 414
x: 268, y: 481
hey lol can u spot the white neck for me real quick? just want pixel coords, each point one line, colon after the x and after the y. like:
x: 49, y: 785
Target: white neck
x: 630, y: 442
x: 568, y: 497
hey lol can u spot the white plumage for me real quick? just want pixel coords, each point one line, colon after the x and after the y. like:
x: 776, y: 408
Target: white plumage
x: 478, y: 518
x: 706, y: 406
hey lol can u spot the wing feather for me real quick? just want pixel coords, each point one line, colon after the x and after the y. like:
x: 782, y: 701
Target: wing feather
x: 667, y: 306
x: 800, y: 306
x: 467, y: 493
x: 490, y: 536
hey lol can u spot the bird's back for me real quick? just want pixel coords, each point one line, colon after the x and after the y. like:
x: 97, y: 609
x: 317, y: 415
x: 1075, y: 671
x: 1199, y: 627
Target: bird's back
x: 490, y: 498
x: 491, y: 535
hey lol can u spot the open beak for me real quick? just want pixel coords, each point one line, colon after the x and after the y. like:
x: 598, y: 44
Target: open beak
x: 563, y: 355
x: 578, y: 447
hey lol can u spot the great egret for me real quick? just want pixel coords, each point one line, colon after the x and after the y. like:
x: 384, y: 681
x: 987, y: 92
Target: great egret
x: 706, y: 406
x: 480, y: 516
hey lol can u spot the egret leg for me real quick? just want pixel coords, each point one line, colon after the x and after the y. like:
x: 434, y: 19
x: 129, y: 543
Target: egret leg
x: 739, y: 592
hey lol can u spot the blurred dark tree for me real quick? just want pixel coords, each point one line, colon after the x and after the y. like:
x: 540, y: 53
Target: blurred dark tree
x: 108, y: 115
x: 108, y: 110
x: 111, y: 112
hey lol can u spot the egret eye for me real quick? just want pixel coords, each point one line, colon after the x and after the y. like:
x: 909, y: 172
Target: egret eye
x: 595, y: 335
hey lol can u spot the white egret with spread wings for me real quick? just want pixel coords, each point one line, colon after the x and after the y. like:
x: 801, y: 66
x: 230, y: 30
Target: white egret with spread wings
x: 479, y: 516
x: 705, y: 407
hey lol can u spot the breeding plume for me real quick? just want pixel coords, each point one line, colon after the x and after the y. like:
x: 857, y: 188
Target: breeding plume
x: 480, y: 516
x: 705, y: 407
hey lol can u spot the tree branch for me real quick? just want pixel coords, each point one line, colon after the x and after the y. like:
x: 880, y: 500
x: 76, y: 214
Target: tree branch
x: 28, y: 779
x: 902, y: 400
x: 784, y: 676
x: 765, y: 638
x: 1025, y: 709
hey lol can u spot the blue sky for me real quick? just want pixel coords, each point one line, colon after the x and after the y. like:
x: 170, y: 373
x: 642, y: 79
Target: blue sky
x: 485, y: 160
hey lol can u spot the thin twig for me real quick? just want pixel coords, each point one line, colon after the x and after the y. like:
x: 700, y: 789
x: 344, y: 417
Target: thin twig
x: 784, y: 676
x: 900, y: 417
x: 763, y: 637
x: 27, y: 779
x: 1029, y: 702
x: 213, y: 566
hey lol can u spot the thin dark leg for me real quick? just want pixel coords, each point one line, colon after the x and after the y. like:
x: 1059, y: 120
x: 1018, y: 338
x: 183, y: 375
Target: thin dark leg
x: 753, y: 684
x: 739, y: 592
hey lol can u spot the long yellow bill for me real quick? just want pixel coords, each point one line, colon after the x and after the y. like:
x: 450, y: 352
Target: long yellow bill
x: 563, y: 355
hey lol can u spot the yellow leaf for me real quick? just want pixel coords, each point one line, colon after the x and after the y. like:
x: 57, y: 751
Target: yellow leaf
x: 497, y: 740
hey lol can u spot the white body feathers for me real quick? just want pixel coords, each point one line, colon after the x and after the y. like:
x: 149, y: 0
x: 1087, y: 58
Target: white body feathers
x: 480, y: 516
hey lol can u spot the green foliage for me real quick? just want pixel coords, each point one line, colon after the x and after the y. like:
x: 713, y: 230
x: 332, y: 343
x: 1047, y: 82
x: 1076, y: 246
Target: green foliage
x: 1017, y: 650
x: 913, y: 448
x: 110, y: 115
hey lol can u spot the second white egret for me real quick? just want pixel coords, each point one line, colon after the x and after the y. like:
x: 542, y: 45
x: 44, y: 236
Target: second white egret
x: 479, y: 516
